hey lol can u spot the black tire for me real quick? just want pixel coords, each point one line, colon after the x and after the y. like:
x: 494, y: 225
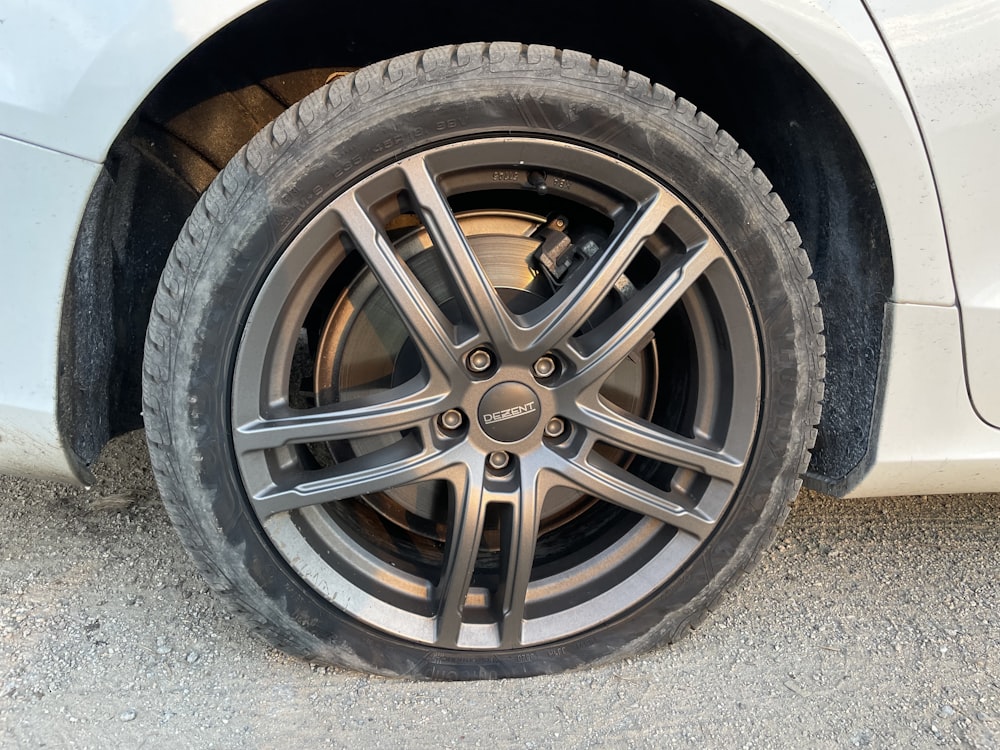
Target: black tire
x: 279, y: 453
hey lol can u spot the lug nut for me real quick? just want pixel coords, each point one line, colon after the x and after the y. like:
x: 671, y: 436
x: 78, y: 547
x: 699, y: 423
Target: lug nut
x: 544, y: 366
x: 479, y: 360
x: 555, y: 427
x: 498, y: 460
x: 451, y: 419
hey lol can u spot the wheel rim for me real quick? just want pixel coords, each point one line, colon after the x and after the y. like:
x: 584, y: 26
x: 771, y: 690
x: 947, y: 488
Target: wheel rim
x: 515, y: 462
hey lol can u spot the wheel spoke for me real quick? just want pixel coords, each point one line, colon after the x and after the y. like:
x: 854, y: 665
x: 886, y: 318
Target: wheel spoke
x: 567, y: 311
x: 600, y: 351
x: 430, y: 330
x: 603, y: 479
x: 466, y: 520
x: 394, y: 411
x: 613, y: 426
x: 518, y: 532
x: 393, y: 466
x: 470, y: 282
x: 517, y: 545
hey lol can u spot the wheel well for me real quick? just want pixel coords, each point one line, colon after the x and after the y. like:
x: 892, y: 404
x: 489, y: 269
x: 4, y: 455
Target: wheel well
x: 241, y: 78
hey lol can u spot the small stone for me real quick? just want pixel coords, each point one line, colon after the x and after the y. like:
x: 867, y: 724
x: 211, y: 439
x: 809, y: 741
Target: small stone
x: 946, y: 711
x: 192, y: 657
x: 127, y: 715
x: 163, y: 650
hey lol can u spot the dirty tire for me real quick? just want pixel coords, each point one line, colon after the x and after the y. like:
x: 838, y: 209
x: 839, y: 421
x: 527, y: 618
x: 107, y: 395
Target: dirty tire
x: 485, y: 361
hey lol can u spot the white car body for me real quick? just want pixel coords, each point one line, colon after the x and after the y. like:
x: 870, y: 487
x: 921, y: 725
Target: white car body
x: 917, y: 82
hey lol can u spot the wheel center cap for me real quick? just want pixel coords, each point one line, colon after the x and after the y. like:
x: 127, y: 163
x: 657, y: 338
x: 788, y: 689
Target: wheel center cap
x: 509, y: 412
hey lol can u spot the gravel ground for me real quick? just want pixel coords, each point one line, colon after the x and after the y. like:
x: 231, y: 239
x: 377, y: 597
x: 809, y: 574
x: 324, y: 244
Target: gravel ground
x: 871, y: 623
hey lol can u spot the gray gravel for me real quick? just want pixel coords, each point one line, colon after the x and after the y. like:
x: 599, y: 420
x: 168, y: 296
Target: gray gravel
x: 871, y: 623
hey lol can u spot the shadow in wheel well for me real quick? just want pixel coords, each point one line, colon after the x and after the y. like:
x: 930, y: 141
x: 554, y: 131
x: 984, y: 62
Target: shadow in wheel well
x: 244, y: 76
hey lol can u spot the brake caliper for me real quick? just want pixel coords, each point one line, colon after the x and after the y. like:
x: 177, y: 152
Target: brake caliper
x: 558, y: 253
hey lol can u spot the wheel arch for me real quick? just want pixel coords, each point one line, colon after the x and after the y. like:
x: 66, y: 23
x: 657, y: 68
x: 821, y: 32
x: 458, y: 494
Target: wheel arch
x: 238, y: 78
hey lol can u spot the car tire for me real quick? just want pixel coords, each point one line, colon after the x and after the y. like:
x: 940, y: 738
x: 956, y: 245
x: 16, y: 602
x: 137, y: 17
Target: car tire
x: 486, y: 361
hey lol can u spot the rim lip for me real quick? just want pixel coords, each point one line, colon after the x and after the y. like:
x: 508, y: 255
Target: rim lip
x: 281, y: 529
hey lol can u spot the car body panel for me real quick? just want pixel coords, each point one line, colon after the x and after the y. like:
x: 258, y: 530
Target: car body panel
x: 96, y: 63
x: 100, y: 65
x: 948, y: 55
x: 929, y: 438
x: 837, y: 43
x: 72, y: 73
x: 42, y: 197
